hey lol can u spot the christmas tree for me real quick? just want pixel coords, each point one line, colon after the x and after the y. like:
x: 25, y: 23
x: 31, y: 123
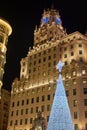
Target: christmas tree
x: 60, y: 116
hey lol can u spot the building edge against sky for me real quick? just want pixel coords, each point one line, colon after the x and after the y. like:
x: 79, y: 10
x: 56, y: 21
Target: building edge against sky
x: 35, y: 89
x: 5, y: 32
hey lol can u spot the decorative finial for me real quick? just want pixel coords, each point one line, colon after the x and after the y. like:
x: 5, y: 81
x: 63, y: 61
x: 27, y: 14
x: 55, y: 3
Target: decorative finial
x: 60, y: 65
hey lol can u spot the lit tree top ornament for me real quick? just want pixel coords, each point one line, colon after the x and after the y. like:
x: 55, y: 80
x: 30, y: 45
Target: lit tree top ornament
x: 59, y: 66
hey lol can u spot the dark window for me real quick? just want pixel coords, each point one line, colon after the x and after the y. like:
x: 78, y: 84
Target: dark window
x: 17, y: 103
x: 85, y: 114
x: 74, y: 91
x: 75, y: 126
x: 12, y: 104
x: 42, y: 108
x: 27, y: 101
x: 67, y: 93
x: 37, y: 99
x: 85, y: 102
x: 85, y: 90
x: 43, y: 98
x: 32, y: 100
x: 75, y: 115
x: 22, y: 102
x: 48, y: 97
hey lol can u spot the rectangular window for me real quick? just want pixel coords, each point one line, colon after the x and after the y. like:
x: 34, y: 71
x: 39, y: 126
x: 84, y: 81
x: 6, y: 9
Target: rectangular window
x: 11, y: 122
x: 16, y: 122
x: 75, y: 103
x: 17, y: 103
x: 31, y: 109
x: 21, y: 111
x: 48, y: 107
x: 42, y: 108
x: 37, y: 99
x: 85, y: 114
x: 12, y: 113
x: 83, y: 71
x: 17, y: 112
x: 85, y: 90
x: 26, y: 121
x: 86, y: 126
x: 26, y: 111
x: 48, y: 97
x: 13, y: 104
x: 75, y: 126
x: 65, y: 56
x: 1, y: 38
x: 80, y: 52
x: 32, y: 100
x: 22, y: 102
x: 67, y: 93
x: 85, y: 102
x: 37, y: 108
x: 75, y: 115
x: 74, y: 91
x: 27, y: 101
x: 43, y: 98
x: 47, y: 118
x: 31, y: 120
x: 21, y: 121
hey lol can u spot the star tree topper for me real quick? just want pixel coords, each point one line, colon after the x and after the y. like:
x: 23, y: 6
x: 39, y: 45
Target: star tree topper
x: 60, y: 65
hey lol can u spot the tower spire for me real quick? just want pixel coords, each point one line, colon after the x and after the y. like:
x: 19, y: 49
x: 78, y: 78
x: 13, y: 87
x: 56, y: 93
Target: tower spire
x: 60, y: 117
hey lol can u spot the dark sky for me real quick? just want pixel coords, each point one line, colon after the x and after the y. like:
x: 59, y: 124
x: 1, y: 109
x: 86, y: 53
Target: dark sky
x: 23, y: 16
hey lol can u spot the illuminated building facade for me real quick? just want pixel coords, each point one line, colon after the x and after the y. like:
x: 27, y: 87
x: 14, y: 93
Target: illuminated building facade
x: 5, y: 32
x: 4, y: 109
x: 35, y: 89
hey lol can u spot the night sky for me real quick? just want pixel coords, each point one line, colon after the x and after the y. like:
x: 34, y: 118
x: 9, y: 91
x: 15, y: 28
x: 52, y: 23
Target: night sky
x: 23, y: 16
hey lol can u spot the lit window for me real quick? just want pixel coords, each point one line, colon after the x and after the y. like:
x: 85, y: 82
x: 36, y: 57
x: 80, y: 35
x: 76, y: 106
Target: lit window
x: 33, y: 91
x: 66, y: 75
x: 83, y: 71
x: 75, y: 103
x: 67, y: 84
x: 49, y: 87
x: 74, y: 73
x: 84, y: 81
x: 74, y: 81
x: 44, y: 74
x: 43, y: 89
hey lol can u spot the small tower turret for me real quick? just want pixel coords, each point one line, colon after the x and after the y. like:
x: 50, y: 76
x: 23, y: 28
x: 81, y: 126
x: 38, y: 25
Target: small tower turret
x: 5, y: 32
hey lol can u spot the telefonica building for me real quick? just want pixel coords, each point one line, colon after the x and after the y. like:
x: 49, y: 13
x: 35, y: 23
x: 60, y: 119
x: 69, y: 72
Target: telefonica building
x: 32, y: 94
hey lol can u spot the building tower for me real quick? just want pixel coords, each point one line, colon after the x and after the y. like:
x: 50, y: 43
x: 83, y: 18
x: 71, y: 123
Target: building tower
x: 60, y: 115
x: 5, y: 32
x: 34, y: 90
